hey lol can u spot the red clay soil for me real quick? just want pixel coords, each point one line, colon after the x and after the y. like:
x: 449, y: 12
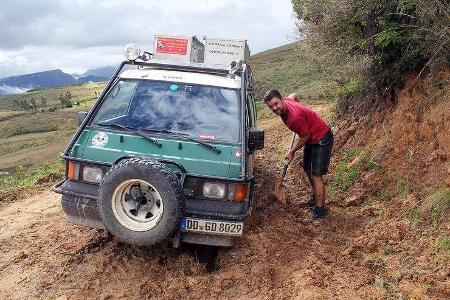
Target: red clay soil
x: 279, y: 257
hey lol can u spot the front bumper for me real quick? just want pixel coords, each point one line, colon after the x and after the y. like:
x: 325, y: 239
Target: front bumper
x: 79, y: 202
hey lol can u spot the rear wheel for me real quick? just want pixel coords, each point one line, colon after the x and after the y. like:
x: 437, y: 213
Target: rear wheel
x: 140, y: 201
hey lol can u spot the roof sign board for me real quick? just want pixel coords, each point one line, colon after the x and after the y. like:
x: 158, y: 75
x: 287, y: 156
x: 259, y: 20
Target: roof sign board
x: 225, y: 51
x: 178, y: 48
x: 171, y: 45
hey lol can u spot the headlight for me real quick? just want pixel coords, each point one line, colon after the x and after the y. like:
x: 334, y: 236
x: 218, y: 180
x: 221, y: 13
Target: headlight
x: 92, y: 174
x: 237, y: 192
x: 131, y: 52
x: 214, y: 190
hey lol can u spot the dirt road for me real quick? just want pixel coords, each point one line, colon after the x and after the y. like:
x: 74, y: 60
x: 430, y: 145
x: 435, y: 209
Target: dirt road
x: 280, y: 257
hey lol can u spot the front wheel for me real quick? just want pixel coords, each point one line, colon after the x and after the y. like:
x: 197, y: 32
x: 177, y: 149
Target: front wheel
x: 140, y: 201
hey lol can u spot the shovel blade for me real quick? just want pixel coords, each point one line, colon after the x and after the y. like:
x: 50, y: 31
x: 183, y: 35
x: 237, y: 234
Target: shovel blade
x: 278, y: 192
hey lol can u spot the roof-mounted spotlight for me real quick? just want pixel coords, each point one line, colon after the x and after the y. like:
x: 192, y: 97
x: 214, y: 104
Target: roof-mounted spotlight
x: 132, y: 52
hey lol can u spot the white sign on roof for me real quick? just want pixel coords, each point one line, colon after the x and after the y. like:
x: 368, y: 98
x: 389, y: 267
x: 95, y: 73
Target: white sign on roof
x: 185, y: 77
x: 225, y: 51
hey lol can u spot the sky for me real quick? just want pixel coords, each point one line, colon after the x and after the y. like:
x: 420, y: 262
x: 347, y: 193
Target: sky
x: 76, y: 35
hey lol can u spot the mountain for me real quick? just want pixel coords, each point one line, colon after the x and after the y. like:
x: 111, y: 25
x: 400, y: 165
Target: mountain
x: 49, y: 79
x: 52, y: 78
x: 100, y: 72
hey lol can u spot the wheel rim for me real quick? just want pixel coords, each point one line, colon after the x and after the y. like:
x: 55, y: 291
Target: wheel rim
x: 137, y: 205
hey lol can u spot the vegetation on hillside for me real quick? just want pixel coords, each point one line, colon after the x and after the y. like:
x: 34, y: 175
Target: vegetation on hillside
x: 285, y: 68
x: 367, y: 47
x: 36, y: 126
x: 85, y: 94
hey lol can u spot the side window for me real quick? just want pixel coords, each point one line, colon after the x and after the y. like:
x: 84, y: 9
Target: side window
x: 251, y: 110
x: 117, y: 103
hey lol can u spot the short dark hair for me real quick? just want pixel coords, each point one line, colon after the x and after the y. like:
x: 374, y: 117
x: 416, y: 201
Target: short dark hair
x: 270, y: 94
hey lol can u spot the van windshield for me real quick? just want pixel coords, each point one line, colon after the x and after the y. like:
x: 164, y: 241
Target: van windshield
x: 202, y: 112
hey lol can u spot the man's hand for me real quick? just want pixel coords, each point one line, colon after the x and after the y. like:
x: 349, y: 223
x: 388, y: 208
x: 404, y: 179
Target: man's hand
x: 289, y: 156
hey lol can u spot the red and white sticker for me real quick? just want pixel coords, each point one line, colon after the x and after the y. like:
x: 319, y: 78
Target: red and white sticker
x: 171, y: 45
x: 207, y: 137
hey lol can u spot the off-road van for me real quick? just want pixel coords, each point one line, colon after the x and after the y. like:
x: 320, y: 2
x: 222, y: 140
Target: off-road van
x: 166, y: 152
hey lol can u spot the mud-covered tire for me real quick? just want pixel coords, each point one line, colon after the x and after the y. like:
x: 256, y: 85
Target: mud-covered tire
x: 158, y: 183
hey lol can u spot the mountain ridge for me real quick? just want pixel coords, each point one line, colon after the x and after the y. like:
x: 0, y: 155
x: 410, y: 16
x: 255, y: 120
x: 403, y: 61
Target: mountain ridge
x: 49, y: 79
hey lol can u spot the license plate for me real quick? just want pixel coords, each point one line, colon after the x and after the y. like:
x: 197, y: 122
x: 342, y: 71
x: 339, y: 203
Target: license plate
x: 210, y: 226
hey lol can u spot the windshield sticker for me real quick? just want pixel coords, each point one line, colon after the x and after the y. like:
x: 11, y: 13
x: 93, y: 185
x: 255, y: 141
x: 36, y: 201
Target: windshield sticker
x: 207, y: 137
x: 174, y: 87
x: 100, y: 139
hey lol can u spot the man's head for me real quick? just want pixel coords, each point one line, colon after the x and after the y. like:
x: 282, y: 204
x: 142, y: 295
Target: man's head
x: 274, y: 101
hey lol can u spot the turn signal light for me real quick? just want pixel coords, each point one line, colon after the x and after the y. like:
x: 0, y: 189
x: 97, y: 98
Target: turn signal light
x: 240, y: 192
x: 71, y: 171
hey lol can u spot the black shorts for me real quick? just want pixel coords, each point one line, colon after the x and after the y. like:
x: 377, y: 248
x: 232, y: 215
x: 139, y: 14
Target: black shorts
x: 317, y: 156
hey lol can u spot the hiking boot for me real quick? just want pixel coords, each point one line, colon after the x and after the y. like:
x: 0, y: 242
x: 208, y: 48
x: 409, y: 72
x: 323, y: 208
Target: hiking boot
x: 311, y: 202
x: 318, y: 214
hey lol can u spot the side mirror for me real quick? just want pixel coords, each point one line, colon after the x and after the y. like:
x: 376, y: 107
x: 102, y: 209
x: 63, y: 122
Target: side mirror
x: 81, y: 116
x: 255, y: 139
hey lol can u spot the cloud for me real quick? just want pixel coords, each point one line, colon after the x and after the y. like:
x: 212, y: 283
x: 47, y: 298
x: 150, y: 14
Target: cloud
x: 6, y: 90
x: 46, y: 32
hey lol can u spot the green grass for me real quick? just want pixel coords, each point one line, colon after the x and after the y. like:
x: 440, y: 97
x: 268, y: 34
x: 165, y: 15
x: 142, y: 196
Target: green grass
x: 262, y: 111
x: 441, y: 205
x: 404, y: 187
x: 434, y: 209
x: 24, y: 177
x: 414, y: 217
x: 388, y: 250
x: 286, y: 69
x: 352, y: 162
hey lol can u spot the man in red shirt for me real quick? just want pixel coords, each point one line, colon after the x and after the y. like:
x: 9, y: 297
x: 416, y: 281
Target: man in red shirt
x: 316, y: 138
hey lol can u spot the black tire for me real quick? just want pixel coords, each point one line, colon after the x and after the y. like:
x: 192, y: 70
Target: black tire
x: 156, y: 177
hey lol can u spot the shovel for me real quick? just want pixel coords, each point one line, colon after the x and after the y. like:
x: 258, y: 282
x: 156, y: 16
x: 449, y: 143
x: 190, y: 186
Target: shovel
x: 279, y: 183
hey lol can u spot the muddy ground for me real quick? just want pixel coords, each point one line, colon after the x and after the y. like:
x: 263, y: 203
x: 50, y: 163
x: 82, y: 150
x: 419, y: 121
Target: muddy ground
x: 279, y: 257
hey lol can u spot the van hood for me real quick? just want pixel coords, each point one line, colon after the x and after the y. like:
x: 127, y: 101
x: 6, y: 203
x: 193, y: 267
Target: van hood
x: 110, y: 145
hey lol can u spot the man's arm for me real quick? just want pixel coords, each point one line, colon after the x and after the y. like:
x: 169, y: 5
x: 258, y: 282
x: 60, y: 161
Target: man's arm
x: 298, y: 145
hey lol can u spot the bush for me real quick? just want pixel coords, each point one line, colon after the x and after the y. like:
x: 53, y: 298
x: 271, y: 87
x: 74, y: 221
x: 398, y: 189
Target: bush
x: 369, y: 46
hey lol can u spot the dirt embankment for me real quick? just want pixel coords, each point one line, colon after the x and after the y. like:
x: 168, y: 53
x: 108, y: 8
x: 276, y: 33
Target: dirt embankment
x: 403, y: 190
x: 408, y: 131
x: 279, y: 257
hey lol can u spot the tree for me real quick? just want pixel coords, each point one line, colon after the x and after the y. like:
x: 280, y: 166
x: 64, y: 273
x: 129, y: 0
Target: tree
x: 33, y: 104
x: 65, y: 101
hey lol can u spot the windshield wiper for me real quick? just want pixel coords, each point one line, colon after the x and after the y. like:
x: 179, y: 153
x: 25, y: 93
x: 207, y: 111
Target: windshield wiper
x: 132, y: 130
x: 186, y: 136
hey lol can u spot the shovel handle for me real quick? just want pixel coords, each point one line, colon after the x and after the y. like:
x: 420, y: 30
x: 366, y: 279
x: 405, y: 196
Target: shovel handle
x: 286, y: 163
x: 285, y: 167
x: 292, y: 140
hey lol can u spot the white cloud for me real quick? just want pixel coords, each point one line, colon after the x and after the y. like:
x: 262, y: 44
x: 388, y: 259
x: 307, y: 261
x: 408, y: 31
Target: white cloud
x: 78, y: 34
x: 6, y: 90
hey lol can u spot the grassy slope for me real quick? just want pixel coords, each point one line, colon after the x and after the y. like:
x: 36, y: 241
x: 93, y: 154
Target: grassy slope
x: 86, y: 92
x: 285, y: 69
x: 30, y: 138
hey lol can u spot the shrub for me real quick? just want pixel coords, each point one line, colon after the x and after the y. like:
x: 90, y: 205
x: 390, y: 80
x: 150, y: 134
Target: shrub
x: 369, y: 46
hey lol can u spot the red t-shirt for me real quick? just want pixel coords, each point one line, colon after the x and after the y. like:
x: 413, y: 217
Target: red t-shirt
x: 301, y: 120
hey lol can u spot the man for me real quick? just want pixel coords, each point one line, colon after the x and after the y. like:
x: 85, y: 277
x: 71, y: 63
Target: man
x: 316, y: 138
